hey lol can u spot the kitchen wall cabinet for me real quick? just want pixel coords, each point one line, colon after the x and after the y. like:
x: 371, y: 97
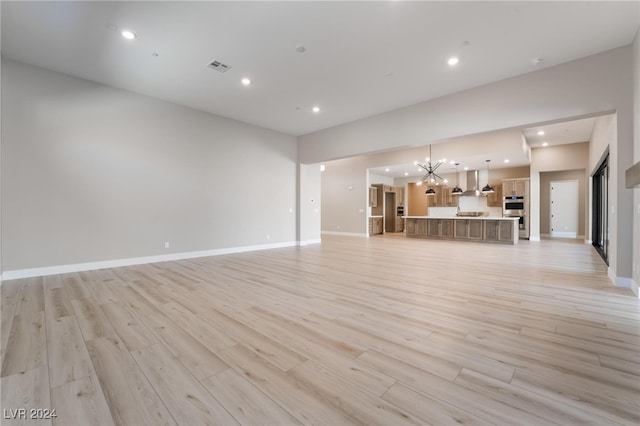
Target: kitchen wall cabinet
x: 399, y: 195
x: 519, y: 187
x: 495, y: 199
x: 373, y: 196
x: 468, y: 229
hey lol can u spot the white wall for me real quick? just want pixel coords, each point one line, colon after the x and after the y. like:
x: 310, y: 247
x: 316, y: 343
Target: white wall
x: 589, y: 86
x: 92, y: 173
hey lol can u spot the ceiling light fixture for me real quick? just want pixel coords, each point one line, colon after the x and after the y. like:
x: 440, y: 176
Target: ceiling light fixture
x: 453, y: 61
x: 545, y: 143
x: 488, y: 189
x: 246, y: 81
x: 316, y: 109
x: 506, y: 160
x: 128, y: 34
x: 430, y: 168
x: 540, y: 132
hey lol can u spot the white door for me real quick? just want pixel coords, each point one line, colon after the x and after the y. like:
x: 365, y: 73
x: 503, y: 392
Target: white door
x: 564, y: 209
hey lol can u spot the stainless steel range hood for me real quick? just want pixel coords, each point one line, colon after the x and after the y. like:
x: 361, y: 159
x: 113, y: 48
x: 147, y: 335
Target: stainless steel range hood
x: 473, y: 187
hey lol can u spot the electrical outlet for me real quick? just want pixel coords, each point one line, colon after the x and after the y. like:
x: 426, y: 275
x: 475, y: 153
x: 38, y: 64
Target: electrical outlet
x: 166, y: 244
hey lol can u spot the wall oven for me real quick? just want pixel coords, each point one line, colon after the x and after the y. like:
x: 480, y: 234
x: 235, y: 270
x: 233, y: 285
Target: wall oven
x: 517, y: 206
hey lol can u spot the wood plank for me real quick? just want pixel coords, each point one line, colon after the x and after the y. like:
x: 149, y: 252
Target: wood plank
x: 27, y: 344
x: 92, y: 321
x: 133, y: 333
x: 186, y: 398
x: 67, y: 352
x: 361, y: 407
x: 210, y: 336
x: 81, y: 402
x: 431, y: 411
x: 130, y: 397
x: 199, y: 360
x: 27, y: 390
x: 246, y: 402
x: 305, y: 406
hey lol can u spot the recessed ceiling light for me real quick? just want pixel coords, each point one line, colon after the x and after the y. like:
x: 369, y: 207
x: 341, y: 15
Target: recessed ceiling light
x: 415, y: 163
x: 540, y: 132
x: 315, y: 109
x: 406, y: 173
x: 419, y: 183
x: 246, y: 81
x: 466, y: 168
x: 452, y: 162
x: 386, y: 170
x: 506, y: 160
x: 453, y: 61
x: 128, y: 34
x: 545, y: 143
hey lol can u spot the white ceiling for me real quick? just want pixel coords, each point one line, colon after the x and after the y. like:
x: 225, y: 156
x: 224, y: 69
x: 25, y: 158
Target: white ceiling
x: 361, y: 59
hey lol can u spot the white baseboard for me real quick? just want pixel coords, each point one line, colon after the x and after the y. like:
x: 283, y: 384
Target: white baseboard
x: 534, y: 238
x: 345, y: 234
x: 622, y: 282
x: 89, y: 266
x: 309, y: 242
x: 564, y: 235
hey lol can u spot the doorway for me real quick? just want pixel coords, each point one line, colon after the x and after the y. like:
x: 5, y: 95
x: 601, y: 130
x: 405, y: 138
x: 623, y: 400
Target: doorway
x: 564, y: 208
x: 600, y: 195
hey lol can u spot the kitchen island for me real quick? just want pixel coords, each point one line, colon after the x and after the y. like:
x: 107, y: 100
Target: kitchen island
x: 484, y: 229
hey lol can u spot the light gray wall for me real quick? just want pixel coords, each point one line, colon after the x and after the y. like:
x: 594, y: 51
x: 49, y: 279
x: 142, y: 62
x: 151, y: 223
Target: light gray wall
x: 93, y: 173
x: 588, y: 86
x: 310, y: 205
x: 636, y: 158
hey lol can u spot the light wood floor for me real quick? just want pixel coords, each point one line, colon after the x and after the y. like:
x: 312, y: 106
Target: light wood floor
x: 351, y: 331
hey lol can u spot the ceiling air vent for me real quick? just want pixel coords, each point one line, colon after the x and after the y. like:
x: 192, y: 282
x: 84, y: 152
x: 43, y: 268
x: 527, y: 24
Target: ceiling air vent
x: 219, y: 66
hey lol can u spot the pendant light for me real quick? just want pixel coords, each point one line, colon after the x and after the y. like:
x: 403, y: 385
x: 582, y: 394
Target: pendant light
x: 430, y: 192
x: 488, y: 189
x: 457, y: 190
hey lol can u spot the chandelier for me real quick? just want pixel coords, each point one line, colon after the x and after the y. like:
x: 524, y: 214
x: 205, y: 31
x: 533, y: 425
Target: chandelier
x: 430, y: 169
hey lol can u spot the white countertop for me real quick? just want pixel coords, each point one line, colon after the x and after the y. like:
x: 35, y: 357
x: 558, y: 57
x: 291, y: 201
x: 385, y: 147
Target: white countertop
x: 462, y: 217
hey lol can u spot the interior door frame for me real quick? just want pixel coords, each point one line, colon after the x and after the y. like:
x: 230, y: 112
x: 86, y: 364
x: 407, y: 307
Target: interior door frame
x: 577, y: 218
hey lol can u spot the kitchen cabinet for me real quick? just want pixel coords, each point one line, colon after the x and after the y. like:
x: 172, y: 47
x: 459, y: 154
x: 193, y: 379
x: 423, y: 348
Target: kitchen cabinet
x: 468, y: 229
x: 490, y: 230
x: 399, y: 224
x: 498, y: 231
x: 519, y: 187
x: 375, y: 225
x: 495, y: 199
x: 373, y: 196
x: 399, y: 195
x: 440, y: 228
x: 416, y: 227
